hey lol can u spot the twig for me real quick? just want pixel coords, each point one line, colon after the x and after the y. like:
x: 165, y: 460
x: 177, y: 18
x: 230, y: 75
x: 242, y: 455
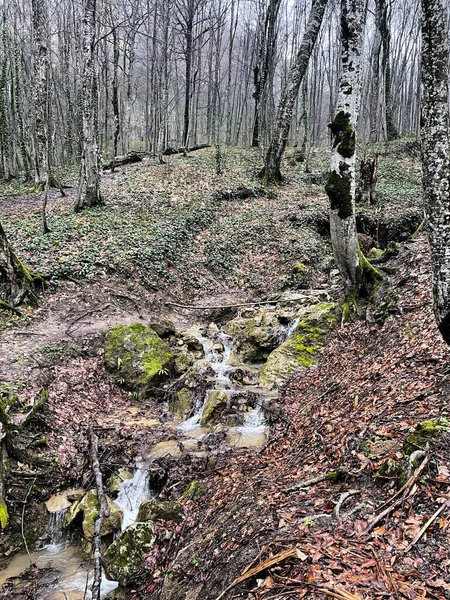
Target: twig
x: 23, y: 516
x: 266, y: 564
x: 255, y: 303
x: 427, y: 524
x: 86, y: 314
x: 415, y: 456
x: 401, y: 495
x: 345, y: 496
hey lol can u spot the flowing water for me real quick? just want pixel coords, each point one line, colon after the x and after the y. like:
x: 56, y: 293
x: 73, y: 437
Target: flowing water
x: 75, y: 572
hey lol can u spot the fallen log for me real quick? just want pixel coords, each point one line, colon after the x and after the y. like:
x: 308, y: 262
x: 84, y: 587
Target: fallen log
x: 120, y: 161
x: 171, y: 151
x: 240, y: 193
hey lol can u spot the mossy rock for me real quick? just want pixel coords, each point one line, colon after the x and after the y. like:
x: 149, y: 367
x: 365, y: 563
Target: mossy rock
x: 194, y: 491
x: 163, y: 327
x: 122, y: 560
x: 153, y: 510
x: 90, y: 506
x: 390, y: 469
x: 114, y: 483
x: 255, y: 335
x: 425, y: 433
x: 183, y: 361
x: 302, y: 349
x: 215, y: 405
x: 137, y: 357
x: 183, y: 402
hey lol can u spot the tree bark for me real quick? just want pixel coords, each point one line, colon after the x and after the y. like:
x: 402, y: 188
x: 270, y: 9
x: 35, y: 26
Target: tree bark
x: 89, y: 186
x: 16, y: 282
x: 435, y: 153
x: 340, y: 186
x: 271, y: 171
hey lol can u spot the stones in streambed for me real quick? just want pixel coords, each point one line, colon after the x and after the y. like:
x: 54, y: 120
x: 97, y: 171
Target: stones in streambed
x: 302, y: 348
x: 191, y: 388
x: 154, y: 510
x: 57, y: 502
x: 89, y: 506
x: 256, y: 334
x: 215, y: 405
x: 122, y: 560
x: 137, y: 357
x: 115, y: 481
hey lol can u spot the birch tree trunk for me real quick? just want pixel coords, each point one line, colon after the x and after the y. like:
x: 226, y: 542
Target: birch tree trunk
x: 340, y: 186
x: 435, y: 153
x: 271, y: 171
x: 41, y: 100
x: 89, y: 185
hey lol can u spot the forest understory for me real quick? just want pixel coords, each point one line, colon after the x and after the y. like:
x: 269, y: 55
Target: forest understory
x: 333, y: 503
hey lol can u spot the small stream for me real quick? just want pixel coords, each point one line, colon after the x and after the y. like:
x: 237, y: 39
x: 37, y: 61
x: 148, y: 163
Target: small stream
x: 75, y: 572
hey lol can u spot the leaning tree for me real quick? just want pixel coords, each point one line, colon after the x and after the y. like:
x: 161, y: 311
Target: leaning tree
x: 435, y: 153
x: 271, y: 171
x: 355, y: 270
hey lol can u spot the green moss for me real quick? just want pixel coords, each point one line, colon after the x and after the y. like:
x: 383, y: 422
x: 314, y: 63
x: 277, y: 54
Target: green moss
x: 183, y: 402
x: 338, y: 189
x: 390, y: 469
x: 215, y: 405
x: 137, y: 357
x: 4, y: 516
x: 344, y: 134
x: 335, y: 476
x: 160, y: 511
x: 194, y: 491
x: 300, y: 269
x: 425, y: 433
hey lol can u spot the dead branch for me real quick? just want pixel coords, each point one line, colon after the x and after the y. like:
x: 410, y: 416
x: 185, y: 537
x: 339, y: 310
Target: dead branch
x: 22, y: 522
x: 427, y: 524
x: 343, y: 498
x: 103, y: 513
x: 399, y: 497
x: 255, y: 303
x: 266, y: 564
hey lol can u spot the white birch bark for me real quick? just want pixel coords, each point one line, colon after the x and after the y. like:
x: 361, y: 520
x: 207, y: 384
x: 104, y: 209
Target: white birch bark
x: 89, y: 186
x: 340, y: 186
x: 435, y: 153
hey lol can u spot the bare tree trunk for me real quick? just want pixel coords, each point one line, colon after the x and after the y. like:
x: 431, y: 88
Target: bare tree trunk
x: 435, y: 153
x: 340, y: 186
x: 89, y: 185
x: 384, y: 26
x: 271, y: 171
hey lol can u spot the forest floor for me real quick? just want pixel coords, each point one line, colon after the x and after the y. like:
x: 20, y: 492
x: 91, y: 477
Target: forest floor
x: 166, y: 235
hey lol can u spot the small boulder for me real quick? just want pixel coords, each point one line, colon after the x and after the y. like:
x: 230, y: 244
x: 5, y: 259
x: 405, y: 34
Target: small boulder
x: 255, y: 336
x: 137, y: 357
x: 114, y: 483
x: 57, y: 502
x: 163, y: 327
x: 302, y: 348
x: 183, y: 403
x: 153, y: 510
x: 122, y: 560
x: 90, y: 506
x: 214, y: 407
